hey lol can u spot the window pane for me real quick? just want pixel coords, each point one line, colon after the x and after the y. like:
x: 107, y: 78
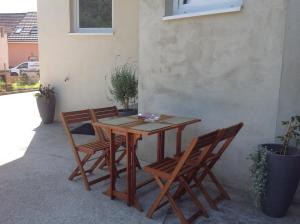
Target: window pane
x: 24, y: 65
x: 95, y: 13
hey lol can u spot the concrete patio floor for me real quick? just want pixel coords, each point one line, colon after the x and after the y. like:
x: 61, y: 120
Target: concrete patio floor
x: 36, y: 161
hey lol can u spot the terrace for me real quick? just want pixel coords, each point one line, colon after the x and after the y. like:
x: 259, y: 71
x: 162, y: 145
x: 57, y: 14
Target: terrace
x: 36, y: 160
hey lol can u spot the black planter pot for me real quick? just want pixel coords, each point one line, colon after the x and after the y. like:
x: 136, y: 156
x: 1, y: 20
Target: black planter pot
x: 128, y: 112
x: 283, y: 179
x: 46, y: 108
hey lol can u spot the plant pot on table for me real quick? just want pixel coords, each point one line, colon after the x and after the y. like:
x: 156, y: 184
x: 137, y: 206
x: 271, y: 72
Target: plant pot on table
x: 128, y: 112
x: 282, y: 181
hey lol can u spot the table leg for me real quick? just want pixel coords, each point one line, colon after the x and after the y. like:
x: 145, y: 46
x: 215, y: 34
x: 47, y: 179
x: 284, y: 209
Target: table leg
x: 112, y: 164
x: 132, y: 200
x: 160, y: 146
x: 178, y: 141
x: 129, y: 168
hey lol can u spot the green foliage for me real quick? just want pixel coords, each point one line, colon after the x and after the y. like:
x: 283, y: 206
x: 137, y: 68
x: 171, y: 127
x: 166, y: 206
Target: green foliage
x: 292, y: 133
x: 259, y: 174
x: 17, y: 86
x: 124, y: 85
x: 2, y: 85
x: 45, y: 91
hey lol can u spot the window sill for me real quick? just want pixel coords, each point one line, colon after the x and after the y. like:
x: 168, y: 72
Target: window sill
x: 91, y: 34
x: 203, y: 13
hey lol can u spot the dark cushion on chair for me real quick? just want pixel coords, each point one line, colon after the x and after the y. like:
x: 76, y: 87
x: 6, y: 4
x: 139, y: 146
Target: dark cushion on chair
x: 85, y: 129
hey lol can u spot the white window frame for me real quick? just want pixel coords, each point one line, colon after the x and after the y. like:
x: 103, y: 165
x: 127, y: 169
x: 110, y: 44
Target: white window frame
x: 76, y: 22
x: 203, y: 7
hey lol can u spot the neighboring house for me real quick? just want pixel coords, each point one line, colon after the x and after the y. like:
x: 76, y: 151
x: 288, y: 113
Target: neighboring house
x: 193, y: 58
x: 21, y: 37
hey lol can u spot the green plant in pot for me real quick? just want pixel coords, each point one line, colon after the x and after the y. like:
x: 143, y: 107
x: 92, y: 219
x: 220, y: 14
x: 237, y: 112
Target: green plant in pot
x: 45, y: 99
x: 124, y: 88
x: 275, y: 171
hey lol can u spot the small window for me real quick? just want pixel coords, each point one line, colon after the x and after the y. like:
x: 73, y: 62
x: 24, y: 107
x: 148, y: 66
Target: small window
x: 34, y: 30
x: 18, y: 30
x: 23, y: 66
x: 92, y: 16
x: 205, y: 7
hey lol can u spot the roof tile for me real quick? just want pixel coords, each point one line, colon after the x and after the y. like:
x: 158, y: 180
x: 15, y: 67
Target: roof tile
x: 27, y: 22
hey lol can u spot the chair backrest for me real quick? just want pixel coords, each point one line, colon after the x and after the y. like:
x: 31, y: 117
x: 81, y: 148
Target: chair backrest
x: 226, y: 137
x: 205, y: 150
x: 100, y: 113
x: 196, y: 153
x: 73, y: 117
x: 104, y: 112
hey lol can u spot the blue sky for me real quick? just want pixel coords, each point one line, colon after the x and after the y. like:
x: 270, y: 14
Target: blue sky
x: 8, y: 6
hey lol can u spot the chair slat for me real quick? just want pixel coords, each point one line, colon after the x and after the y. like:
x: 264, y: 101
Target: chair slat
x: 76, y: 116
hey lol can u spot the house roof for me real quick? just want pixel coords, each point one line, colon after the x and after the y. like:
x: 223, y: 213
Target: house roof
x: 26, y: 30
x: 10, y: 20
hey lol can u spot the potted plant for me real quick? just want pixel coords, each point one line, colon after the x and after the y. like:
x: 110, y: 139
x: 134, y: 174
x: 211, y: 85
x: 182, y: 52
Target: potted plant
x: 45, y: 99
x: 275, y: 171
x: 124, y: 88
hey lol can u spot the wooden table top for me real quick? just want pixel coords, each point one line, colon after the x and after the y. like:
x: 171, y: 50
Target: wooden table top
x: 133, y: 124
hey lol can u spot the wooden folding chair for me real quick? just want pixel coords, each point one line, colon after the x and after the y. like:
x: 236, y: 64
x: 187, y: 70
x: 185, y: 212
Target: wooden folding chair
x: 170, y: 171
x: 90, y: 150
x: 120, y: 140
x: 227, y: 136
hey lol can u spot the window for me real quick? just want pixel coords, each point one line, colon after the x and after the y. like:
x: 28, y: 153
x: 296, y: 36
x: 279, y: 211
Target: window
x: 34, y: 30
x: 188, y: 8
x: 92, y: 16
x: 23, y: 66
x: 18, y: 30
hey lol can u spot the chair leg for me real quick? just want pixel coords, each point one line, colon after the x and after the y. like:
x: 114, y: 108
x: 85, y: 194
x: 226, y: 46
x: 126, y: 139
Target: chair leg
x: 138, y: 165
x: 162, y: 194
x: 106, y: 159
x: 224, y: 194
x: 121, y: 157
x: 158, y: 199
x: 177, y: 211
x: 98, y: 161
x: 206, y: 194
x: 77, y: 169
x: 82, y: 172
x: 200, y: 207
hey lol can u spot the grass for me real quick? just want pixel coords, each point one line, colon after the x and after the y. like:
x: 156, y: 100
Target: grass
x: 17, y: 86
x: 2, y: 85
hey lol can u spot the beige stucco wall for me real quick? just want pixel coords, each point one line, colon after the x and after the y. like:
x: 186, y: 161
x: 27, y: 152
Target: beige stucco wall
x: 221, y: 68
x: 289, y: 100
x: 3, y: 52
x: 85, y: 60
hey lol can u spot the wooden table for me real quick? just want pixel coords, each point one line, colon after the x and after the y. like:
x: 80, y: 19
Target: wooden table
x: 134, y: 129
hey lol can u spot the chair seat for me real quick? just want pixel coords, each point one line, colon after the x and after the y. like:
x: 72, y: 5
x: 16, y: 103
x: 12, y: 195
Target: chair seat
x: 93, y: 147
x: 164, y: 168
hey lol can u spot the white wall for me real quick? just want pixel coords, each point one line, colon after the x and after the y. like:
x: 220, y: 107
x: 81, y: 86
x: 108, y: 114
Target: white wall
x: 86, y: 60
